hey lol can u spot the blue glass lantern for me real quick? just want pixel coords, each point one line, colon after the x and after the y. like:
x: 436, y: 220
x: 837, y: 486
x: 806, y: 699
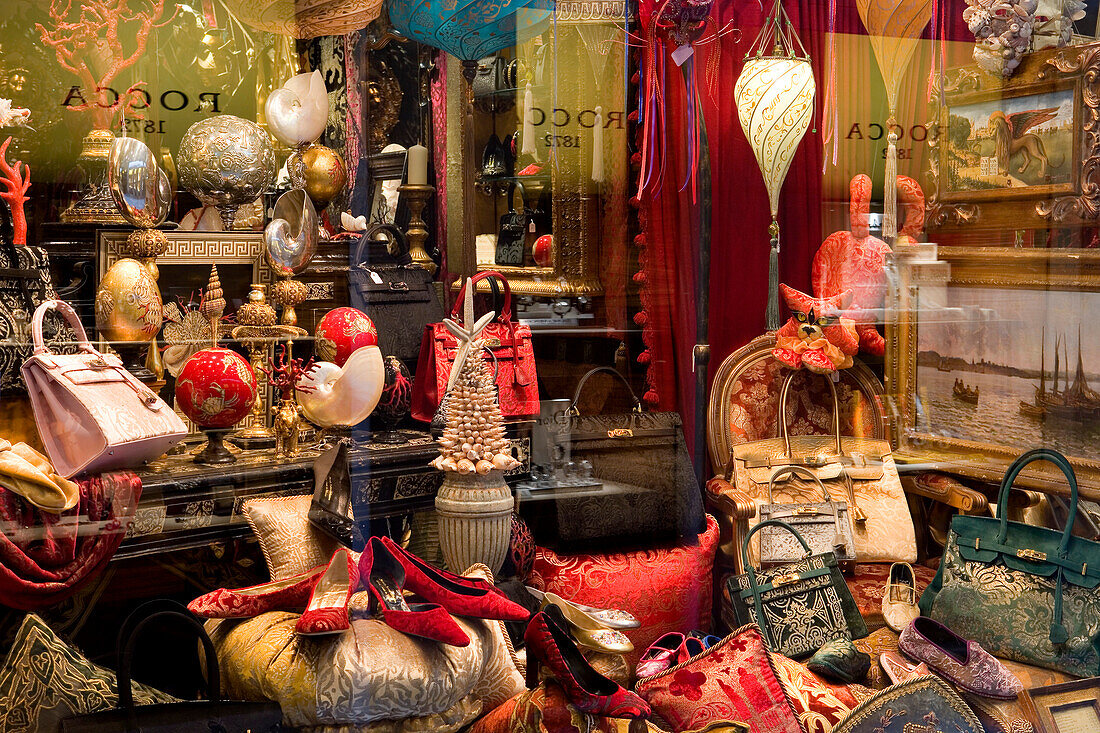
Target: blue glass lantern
x: 468, y: 29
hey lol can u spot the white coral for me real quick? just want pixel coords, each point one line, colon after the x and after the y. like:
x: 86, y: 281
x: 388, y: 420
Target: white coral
x: 12, y: 115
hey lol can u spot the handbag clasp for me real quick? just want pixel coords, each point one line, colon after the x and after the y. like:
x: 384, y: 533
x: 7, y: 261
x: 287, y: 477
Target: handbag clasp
x: 786, y: 579
x: 620, y: 433
x: 400, y: 286
x: 1033, y: 555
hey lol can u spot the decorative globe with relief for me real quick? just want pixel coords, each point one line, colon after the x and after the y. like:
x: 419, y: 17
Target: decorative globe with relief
x: 216, y: 388
x: 226, y: 161
x: 341, y: 332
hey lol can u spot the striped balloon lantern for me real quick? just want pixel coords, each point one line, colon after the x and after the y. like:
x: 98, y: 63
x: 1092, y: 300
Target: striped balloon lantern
x: 775, y: 104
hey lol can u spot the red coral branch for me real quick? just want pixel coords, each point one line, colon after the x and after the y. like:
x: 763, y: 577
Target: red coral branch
x: 100, y: 26
x: 16, y: 182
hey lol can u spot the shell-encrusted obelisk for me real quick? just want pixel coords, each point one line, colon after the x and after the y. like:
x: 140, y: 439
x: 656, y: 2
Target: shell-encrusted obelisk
x: 473, y: 439
x: 474, y: 503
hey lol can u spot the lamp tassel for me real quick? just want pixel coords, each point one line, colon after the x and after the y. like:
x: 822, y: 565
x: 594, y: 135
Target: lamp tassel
x: 890, y: 188
x: 528, y: 123
x: 771, y: 315
x: 597, y: 147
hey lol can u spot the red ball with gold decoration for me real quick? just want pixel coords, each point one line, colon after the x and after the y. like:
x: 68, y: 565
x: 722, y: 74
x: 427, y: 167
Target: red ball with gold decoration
x: 341, y: 332
x: 216, y: 388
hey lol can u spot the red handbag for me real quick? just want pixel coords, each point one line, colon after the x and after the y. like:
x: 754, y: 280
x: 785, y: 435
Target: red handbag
x: 514, y: 356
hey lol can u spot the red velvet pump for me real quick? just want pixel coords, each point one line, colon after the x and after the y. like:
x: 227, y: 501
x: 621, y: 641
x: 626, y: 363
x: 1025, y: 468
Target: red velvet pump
x: 384, y: 578
x: 463, y: 596
x: 590, y: 692
x: 327, y: 611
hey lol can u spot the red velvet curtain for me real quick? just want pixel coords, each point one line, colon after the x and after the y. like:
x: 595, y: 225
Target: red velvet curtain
x: 740, y: 215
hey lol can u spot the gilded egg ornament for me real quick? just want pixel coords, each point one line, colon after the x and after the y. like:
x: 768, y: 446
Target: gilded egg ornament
x: 343, y: 331
x: 226, y: 161
x: 319, y: 170
x: 127, y: 304
x: 216, y: 388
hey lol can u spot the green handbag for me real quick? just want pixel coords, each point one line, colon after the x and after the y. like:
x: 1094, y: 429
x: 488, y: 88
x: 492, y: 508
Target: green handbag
x: 1024, y: 593
x: 799, y: 606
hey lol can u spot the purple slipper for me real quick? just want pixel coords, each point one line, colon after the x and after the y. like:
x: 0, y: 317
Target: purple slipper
x: 963, y: 662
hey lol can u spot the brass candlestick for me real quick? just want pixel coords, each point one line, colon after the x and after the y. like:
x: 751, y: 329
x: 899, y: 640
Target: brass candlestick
x: 416, y: 198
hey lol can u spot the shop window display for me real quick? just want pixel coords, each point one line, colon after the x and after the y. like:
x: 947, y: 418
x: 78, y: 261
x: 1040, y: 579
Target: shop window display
x: 550, y: 365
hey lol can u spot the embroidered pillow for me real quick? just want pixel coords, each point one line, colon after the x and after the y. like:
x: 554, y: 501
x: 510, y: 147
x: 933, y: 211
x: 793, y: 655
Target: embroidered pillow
x: 44, y: 680
x: 919, y: 704
x: 291, y: 545
x: 732, y: 680
x: 819, y: 705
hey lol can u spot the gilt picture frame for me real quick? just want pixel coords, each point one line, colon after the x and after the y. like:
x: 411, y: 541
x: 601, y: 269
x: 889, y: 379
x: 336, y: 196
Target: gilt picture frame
x: 1018, y: 153
x: 1068, y: 707
x: 972, y: 380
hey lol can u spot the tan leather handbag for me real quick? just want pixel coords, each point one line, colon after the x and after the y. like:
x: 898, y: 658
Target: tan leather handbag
x: 92, y: 414
x: 860, y: 471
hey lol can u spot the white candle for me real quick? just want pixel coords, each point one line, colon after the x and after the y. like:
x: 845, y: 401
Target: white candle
x: 418, y: 165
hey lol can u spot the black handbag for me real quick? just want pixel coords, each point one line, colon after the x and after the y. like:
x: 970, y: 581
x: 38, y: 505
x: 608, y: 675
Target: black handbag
x: 494, y: 84
x: 215, y: 714
x: 798, y: 606
x: 397, y: 294
x: 515, y: 226
x: 636, y: 487
x: 25, y: 283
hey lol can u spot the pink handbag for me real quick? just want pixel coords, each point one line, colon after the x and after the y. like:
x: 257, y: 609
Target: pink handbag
x: 92, y: 414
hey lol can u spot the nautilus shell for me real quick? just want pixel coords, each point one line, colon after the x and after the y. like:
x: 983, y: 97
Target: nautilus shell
x: 344, y: 395
x: 290, y: 240
x: 297, y: 112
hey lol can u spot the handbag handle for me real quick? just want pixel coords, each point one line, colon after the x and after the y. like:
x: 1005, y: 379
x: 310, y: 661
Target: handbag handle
x: 130, y: 632
x: 69, y: 315
x: 801, y: 471
x: 505, y: 315
x: 608, y: 370
x: 770, y: 523
x: 782, y: 416
x: 397, y: 237
x: 1039, y: 454
x: 512, y: 196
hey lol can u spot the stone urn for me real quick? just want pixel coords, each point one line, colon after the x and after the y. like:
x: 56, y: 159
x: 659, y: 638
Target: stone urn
x: 475, y: 519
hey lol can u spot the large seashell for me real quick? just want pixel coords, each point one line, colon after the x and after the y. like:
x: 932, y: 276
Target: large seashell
x: 448, y: 464
x: 345, y: 395
x: 483, y: 467
x: 504, y: 462
x: 465, y: 466
x: 297, y: 112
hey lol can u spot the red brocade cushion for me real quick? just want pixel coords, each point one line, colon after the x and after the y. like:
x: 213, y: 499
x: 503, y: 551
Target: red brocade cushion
x: 732, y: 680
x: 666, y: 590
x: 541, y: 710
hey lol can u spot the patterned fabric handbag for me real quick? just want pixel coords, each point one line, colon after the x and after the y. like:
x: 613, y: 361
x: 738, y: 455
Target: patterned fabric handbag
x: 513, y: 353
x: 798, y: 606
x: 824, y: 525
x: 858, y: 470
x: 1024, y: 593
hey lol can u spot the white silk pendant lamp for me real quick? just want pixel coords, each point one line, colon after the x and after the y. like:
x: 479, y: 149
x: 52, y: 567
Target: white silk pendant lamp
x: 775, y: 104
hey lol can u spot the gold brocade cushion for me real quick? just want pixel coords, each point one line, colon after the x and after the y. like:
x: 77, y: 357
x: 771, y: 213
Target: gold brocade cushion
x: 291, y: 545
x: 369, y: 678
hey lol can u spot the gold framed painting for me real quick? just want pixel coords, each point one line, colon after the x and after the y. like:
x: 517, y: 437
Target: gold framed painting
x: 1069, y: 707
x: 989, y: 357
x: 1018, y: 153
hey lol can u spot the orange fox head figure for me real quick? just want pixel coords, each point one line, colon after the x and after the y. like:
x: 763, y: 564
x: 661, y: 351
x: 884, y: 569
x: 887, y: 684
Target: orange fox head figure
x: 814, y: 315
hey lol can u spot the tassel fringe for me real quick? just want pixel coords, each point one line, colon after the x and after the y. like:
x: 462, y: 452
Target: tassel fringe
x: 771, y: 315
x: 890, y: 190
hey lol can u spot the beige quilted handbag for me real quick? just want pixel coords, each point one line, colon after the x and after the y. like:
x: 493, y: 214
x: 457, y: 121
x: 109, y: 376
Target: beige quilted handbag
x: 860, y: 471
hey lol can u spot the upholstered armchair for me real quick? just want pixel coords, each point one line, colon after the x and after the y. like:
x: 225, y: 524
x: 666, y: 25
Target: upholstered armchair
x: 743, y: 407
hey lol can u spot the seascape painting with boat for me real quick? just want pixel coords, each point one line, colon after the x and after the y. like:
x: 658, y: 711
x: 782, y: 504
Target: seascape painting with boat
x: 1018, y: 368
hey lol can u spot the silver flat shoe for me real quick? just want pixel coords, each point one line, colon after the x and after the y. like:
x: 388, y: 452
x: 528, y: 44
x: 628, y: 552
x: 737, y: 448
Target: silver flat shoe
x: 611, y: 618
